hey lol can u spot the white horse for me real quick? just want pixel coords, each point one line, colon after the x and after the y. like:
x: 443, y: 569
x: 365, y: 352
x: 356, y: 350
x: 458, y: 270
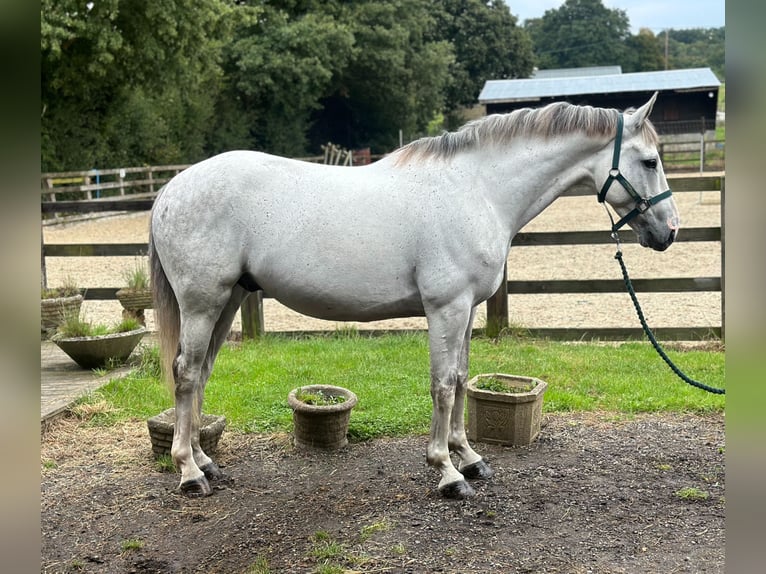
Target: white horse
x: 424, y: 231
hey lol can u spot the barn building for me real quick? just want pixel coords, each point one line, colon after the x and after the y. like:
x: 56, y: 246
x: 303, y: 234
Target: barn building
x: 686, y: 104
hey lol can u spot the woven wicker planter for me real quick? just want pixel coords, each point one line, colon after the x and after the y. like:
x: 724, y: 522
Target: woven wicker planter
x: 161, y: 429
x: 101, y: 350
x: 321, y: 426
x: 133, y: 299
x: 507, y: 418
x: 54, y: 311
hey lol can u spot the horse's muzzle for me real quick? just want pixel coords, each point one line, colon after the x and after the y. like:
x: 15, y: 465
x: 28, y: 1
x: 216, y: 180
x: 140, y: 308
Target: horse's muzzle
x: 658, y: 245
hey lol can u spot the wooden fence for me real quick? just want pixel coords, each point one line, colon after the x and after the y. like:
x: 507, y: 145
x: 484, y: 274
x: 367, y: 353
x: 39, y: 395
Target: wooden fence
x: 69, y: 190
x: 497, y: 306
x: 701, y: 154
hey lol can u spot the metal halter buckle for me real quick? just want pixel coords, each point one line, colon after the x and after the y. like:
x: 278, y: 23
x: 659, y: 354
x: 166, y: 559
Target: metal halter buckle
x: 643, y: 204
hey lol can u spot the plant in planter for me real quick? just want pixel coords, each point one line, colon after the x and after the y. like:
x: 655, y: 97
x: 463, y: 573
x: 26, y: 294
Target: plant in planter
x: 321, y: 414
x: 137, y: 296
x: 162, y: 426
x: 98, y: 346
x: 57, y: 303
x: 505, y: 409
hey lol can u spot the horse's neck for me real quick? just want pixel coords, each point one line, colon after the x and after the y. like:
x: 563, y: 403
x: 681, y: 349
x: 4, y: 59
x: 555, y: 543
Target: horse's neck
x: 531, y: 176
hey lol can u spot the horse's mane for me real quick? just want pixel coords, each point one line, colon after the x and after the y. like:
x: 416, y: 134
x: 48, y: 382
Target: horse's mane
x: 559, y: 118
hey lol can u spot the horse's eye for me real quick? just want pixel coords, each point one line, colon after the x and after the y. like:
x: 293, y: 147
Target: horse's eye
x: 650, y: 163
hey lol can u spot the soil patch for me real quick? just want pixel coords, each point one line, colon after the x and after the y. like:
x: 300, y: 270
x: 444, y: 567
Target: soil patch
x: 596, y: 493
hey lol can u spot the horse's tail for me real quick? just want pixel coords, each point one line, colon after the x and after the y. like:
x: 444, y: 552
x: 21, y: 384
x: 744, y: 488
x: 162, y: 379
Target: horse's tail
x: 166, y: 313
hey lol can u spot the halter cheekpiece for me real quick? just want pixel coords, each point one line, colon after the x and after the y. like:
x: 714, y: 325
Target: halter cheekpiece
x: 642, y: 203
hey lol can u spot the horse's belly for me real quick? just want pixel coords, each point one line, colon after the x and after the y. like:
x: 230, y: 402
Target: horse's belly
x: 350, y: 306
x: 348, y: 278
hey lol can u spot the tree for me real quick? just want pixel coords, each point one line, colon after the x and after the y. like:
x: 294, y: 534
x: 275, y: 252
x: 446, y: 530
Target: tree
x: 277, y: 68
x: 644, y: 53
x: 698, y: 47
x: 578, y: 34
x: 395, y: 80
x: 488, y: 45
x: 126, y: 81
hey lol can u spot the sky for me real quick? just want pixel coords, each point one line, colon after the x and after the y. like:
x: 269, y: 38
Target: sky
x: 656, y: 15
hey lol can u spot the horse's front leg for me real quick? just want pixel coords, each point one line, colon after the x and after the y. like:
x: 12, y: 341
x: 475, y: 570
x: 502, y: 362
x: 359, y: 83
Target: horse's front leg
x: 446, y: 329
x: 472, y: 465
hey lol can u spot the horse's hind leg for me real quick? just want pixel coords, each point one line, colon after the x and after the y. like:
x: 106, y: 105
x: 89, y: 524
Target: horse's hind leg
x: 472, y: 465
x: 187, y: 370
x: 198, y: 321
x: 220, y: 333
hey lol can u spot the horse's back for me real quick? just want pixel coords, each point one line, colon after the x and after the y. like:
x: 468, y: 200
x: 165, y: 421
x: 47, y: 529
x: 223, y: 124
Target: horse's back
x: 328, y: 241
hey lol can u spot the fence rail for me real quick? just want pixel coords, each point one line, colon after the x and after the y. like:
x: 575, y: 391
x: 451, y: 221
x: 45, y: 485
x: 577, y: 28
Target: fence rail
x: 131, y: 181
x: 497, y: 311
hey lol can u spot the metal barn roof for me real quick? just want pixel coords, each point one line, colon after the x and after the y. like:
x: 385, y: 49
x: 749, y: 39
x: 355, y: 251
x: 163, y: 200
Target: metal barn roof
x: 532, y: 89
x: 573, y: 72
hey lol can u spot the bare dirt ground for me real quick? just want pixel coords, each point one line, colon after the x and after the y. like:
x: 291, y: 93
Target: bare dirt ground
x: 594, y: 494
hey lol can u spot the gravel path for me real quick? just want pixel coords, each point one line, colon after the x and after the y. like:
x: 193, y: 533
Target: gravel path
x: 697, y: 259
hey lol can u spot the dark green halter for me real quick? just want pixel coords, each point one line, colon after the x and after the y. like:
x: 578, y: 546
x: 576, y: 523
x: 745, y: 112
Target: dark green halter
x: 642, y: 203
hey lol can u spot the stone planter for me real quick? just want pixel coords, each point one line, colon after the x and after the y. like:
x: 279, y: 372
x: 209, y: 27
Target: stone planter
x: 133, y: 302
x: 321, y: 426
x: 102, y: 350
x: 507, y: 418
x: 54, y: 311
x: 162, y: 426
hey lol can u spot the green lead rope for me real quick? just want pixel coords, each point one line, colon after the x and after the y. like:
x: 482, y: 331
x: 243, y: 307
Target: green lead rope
x: 649, y: 333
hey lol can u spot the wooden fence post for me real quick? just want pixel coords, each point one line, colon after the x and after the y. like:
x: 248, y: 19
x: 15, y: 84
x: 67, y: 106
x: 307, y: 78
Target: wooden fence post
x: 252, y: 316
x: 497, y: 308
x: 43, y: 270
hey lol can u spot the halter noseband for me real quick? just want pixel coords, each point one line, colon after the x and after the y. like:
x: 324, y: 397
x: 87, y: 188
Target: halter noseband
x: 642, y: 203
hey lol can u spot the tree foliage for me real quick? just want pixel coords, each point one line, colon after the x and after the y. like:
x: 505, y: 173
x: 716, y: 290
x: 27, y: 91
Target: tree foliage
x: 580, y: 33
x: 583, y: 33
x: 488, y: 46
x: 395, y: 80
x: 643, y: 53
x: 126, y: 81
x: 276, y: 68
x: 697, y: 47
x: 130, y: 82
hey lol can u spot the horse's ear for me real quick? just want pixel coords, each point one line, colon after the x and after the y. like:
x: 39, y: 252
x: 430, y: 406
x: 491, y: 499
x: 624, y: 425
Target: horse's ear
x: 637, y: 118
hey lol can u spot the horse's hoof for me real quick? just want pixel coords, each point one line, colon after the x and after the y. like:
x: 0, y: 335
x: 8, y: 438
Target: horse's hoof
x: 212, y: 472
x: 457, y: 490
x: 196, y: 487
x: 479, y: 470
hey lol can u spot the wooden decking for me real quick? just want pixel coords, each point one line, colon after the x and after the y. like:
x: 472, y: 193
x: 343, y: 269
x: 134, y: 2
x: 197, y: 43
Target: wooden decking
x: 63, y: 382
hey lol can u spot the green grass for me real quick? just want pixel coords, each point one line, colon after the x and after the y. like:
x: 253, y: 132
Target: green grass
x: 260, y: 566
x: 692, y: 493
x: 132, y: 544
x: 390, y: 376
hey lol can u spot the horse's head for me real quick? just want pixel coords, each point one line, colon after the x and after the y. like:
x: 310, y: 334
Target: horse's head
x: 636, y: 186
